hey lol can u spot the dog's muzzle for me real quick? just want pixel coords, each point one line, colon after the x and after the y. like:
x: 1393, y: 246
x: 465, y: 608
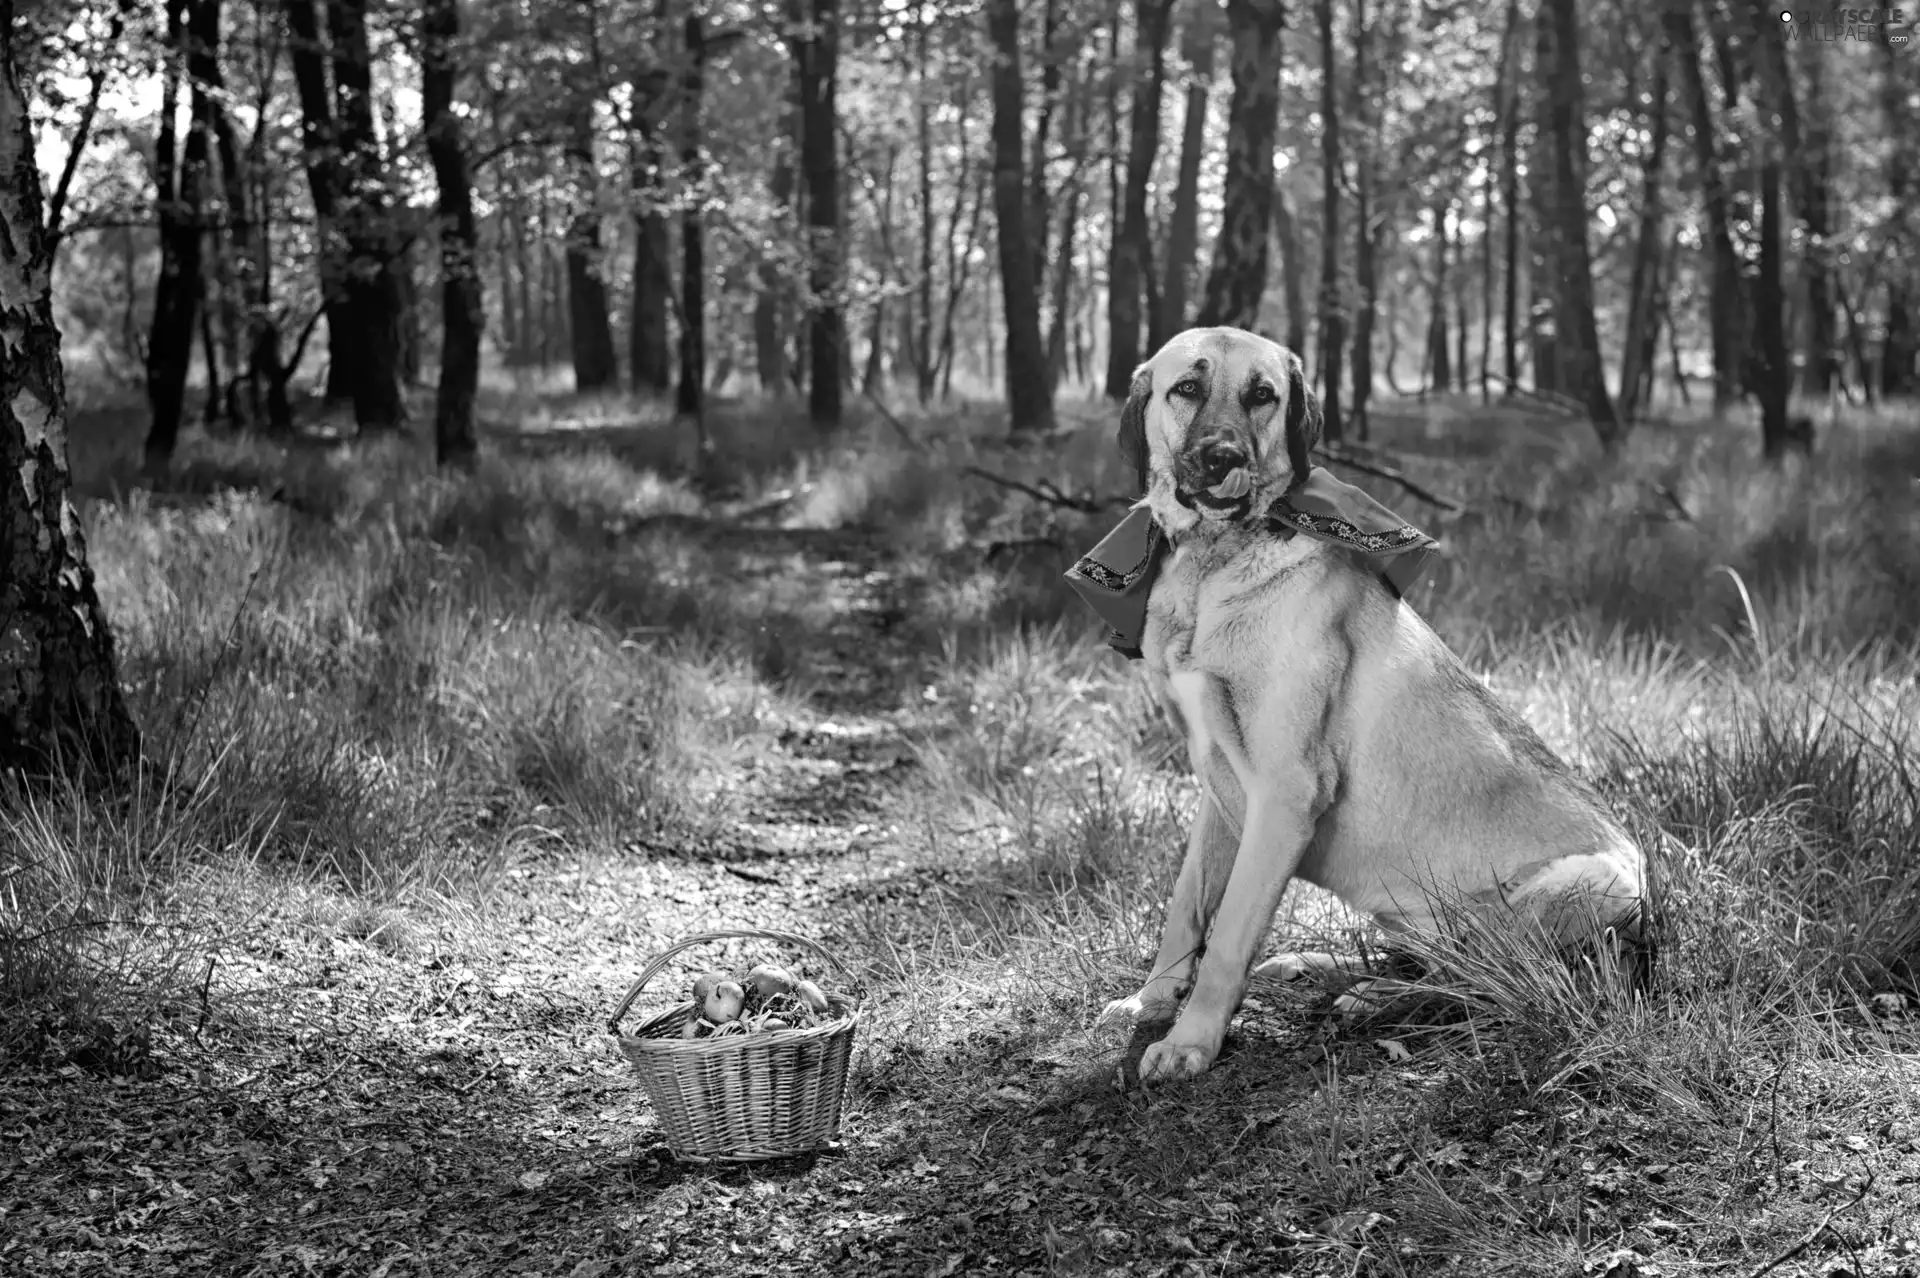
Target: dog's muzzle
x: 1216, y: 480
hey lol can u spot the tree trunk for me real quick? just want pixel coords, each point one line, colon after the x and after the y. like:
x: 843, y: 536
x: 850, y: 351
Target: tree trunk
x: 1901, y: 344
x: 690, y: 397
x: 462, y: 307
x: 1510, y: 195
x: 772, y: 298
x: 1725, y: 304
x: 1039, y: 201
x: 367, y: 356
x: 1238, y: 275
x: 237, y: 260
x: 595, y: 366
x: 1293, y: 273
x: 923, y: 362
x: 1332, y: 317
x: 1769, y: 302
x: 176, y: 296
x: 1643, y: 291
x: 1183, y: 229
x: 817, y: 53
x: 649, y: 336
x: 1127, y: 272
x: 1071, y: 197
x: 310, y: 54
x: 60, y: 703
x: 1371, y: 111
x: 1439, y: 357
x: 1029, y: 396
x: 1809, y: 165
x: 1543, y: 240
x: 1577, y: 342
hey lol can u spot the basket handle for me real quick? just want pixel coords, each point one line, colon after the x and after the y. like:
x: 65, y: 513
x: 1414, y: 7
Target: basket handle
x: 703, y: 938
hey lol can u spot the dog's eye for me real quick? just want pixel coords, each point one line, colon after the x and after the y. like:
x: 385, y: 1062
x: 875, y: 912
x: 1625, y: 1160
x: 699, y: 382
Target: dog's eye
x: 1187, y: 388
x: 1262, y: 394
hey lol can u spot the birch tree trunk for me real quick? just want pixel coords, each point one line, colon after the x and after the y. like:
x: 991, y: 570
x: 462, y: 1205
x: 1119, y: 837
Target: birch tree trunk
x: 60, y: 701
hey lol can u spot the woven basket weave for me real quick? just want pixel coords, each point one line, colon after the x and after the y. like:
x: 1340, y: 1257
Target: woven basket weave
x: 741, y: 1097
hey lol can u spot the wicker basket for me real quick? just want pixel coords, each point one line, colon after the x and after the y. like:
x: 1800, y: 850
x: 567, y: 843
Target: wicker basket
x: 742, y: 1096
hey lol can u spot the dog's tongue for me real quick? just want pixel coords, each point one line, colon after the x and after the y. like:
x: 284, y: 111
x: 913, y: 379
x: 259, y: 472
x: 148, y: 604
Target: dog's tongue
x: 1237, y: 484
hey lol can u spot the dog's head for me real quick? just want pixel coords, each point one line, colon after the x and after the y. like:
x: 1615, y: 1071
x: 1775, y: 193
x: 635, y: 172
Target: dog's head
x: 1218, y: 427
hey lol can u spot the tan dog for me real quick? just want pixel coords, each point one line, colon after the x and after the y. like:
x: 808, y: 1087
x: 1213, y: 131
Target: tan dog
x: 1335, y: 736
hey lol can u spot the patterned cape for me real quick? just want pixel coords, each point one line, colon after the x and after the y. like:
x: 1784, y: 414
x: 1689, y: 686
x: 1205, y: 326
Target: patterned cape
x: 1116, y: 576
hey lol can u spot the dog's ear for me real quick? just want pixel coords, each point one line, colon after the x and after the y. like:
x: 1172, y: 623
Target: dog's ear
x: 1303, y: 419
x: 1133, y: 424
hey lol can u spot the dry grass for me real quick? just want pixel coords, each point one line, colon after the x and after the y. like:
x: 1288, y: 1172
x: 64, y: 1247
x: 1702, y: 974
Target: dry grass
x: 408, y: 700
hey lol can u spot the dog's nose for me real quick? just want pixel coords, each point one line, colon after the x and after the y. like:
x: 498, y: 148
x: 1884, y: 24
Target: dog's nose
x: 1220, y: 458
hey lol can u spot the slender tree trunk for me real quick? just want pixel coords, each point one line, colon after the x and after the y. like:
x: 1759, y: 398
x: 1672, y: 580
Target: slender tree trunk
x: 60, y: 704
x: 1901, y: 344
x: 1293, y: 273
x: 310, y: 53
x: 1643, y: 291
x: 1460, y: 310
x: 1809, y: 164
x: 1039, y: 200
x: 1183, y: 230
x: 1368, y: 116
x: 1486, y: 261
x: 818, y: 54
x: 690, y: 399
x: 1332, y: 316
x: 1769, y: 303
x: 1128, y: 271
x: 1441, y: 366
x: 369, y: 357
x: 1239, y: 273
x: 1510, y: 195
x: 649, y: 335
x: 176, y: 296
x: 1029, y: 396
x: 595, y: 366
x: 1577, y: 342
x: 773, y: 295
x: 1726, y: 304
x: 462, y: 307
x: 1543, y: 240
x: 1071, y: 197
x: 923, y: 362
x: 235, y: 261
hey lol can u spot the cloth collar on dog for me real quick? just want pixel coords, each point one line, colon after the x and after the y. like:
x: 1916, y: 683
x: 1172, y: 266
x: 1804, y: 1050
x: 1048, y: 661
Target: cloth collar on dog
x: 1116, y: 576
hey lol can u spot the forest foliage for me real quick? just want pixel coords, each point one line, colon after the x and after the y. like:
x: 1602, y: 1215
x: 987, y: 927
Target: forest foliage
x: 826, y: 198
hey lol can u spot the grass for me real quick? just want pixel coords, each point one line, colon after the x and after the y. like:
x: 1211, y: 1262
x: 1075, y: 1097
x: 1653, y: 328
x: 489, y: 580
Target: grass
x: 435, y: 763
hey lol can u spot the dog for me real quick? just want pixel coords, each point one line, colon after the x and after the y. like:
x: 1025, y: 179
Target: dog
x: 1335, y: 736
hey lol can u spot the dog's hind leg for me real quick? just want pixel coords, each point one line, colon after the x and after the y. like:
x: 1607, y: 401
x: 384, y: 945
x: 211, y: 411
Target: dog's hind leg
x: 1196, y: 895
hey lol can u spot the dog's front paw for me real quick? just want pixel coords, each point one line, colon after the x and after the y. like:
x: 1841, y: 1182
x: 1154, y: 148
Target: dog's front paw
x: 1146, y: 1007
x: 1174, y: 1057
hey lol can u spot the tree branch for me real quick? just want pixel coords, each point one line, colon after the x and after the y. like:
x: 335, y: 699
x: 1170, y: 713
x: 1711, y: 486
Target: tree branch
x: 1048, y: 492
x: 1341, y: 457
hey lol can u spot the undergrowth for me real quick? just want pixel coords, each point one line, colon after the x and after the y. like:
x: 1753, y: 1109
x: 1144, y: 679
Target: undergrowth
x: 357, y: 673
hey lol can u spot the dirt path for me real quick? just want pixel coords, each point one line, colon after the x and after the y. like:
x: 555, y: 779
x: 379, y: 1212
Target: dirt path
x: 444, y: 1098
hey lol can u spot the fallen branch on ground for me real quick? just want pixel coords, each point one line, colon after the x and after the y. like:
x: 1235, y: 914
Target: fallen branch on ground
x: 1046, y: 490
x: 1341, y: 457
x: 1814, y: 1236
